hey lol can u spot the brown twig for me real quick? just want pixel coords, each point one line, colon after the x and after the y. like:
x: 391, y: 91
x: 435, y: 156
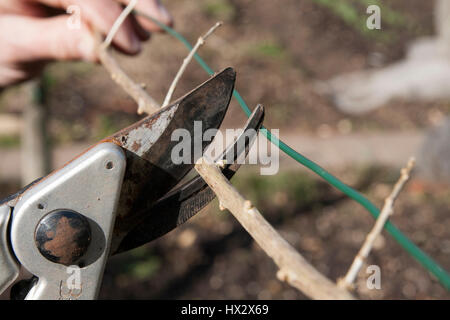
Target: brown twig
x: 146, y: 104
x: 294, y: 269
x: 119, y: 21
x: 201, y: 41
x: 386, y: 212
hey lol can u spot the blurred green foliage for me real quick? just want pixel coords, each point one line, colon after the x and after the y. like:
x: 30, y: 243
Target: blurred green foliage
x: 353, y: 13
x: 222, y: 10
x: 287, y: 188
x: 60, y: 71
x: 282, y: 113
x: 141, y: 264
x: 144, y: 269
x: 106, y: 127
x: 269, y: 49
x: 389, y: 15
x: 9, y: 141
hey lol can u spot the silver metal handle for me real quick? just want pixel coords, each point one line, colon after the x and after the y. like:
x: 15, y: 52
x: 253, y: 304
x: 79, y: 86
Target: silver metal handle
x: 81, y: 197
x: 9, y: 268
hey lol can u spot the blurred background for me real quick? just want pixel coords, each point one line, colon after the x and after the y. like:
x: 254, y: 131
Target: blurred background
x: 282, y: 52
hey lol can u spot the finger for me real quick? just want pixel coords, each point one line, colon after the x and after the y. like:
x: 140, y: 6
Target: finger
x: 102, y: 14
x: 155, y: 9
x: 37, y: 39
x: 11, y: 75
x: 143, y: 34
x: 21, y: 7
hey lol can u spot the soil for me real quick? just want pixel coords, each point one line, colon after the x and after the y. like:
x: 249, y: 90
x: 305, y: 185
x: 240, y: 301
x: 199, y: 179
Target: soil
x: 279, y: 53
x: 212, y: 257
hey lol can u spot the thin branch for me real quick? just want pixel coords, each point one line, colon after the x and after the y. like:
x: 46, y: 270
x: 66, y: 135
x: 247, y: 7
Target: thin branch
x: 201, y: 41
x: 294, y: 269
x: 116, y: 26
x: 386, y: 212
x: 146, y: 104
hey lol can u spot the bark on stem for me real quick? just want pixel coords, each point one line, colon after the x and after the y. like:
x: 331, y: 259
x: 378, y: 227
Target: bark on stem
x: 145, y: 102
x: 201, y: 41
x: 386, y: 212
x: 294, y: 269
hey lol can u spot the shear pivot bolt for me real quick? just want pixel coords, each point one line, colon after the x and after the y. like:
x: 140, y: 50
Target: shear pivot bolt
x: 63, y: 236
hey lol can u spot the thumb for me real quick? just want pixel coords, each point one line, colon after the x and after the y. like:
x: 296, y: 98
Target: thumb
x: 45, y: 39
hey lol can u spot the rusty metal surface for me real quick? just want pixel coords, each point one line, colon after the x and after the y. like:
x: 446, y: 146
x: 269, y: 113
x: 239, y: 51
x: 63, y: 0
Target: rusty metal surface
x: 63, y: 236
x: 150, y: 171
x: 184, y: 202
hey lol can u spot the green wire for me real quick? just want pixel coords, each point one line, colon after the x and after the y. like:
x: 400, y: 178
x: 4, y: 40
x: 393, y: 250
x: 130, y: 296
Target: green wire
x: 410, y: 247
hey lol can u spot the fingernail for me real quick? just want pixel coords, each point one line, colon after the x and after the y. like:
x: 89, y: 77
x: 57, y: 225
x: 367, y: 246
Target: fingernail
x: 165, y: 16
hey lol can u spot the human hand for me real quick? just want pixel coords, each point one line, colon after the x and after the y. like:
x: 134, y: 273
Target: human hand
x: 37, y: 31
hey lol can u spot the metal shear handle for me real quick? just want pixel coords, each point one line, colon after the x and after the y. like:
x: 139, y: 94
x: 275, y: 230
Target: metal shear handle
x: 68, y: 215
x: 113, y: 198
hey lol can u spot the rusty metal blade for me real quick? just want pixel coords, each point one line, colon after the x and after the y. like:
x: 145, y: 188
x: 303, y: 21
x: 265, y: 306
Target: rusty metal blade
x: 148, y: 146
x: 184, y: 202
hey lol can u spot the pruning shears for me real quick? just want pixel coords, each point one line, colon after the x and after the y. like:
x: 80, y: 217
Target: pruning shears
x: 121, y: 193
